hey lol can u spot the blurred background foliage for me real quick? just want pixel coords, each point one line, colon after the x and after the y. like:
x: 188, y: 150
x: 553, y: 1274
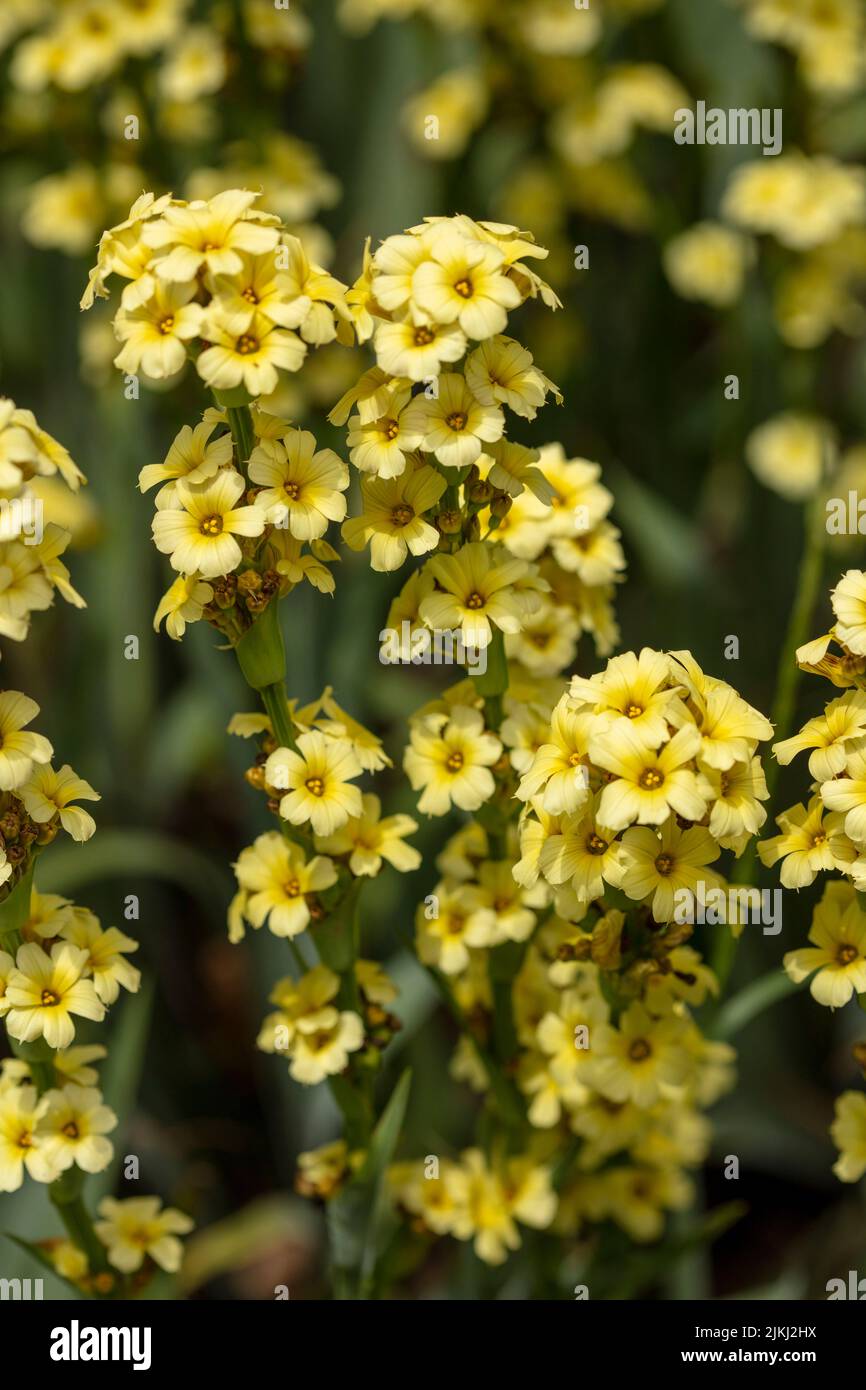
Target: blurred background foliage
x: 712, y: 553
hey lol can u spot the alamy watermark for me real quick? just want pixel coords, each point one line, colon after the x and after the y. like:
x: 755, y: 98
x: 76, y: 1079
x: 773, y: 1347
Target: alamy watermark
x: 419, y: 646
x: 737, y: 126
x: 21, y: 519
x: 734, y: 906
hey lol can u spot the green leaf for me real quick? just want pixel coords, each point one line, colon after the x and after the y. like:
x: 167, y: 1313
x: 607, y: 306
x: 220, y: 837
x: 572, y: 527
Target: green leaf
x: 358, y: 1217
x: 757, y: 996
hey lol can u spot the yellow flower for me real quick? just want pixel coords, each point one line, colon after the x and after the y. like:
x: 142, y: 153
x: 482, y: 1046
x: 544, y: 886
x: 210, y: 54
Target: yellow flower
x: 305, y: 280
x: 506, y: 900
x: 736, y: 810
x: 849, y: 1135
x: 333, y: 720
x: 638, y: 1198
x: 43, y: 992
x: 195, y: 66
x: 318, y: 1052
x: 641, y: 1057
x: 106, y: 952
x: 501, y: 372
x: 449, y: 759
x: 368, y: 839
x: 392, y: 522
x: 839, y: 952
x: 24, y: 589
x: 649, y: 783
x: 560, y: 772
x: 810, y: 841
x: 460, y: 98
x: 803, y: 201
x: 439, y: 1202
x: 417, y: 350
x: 730, y: 728
x: 381, y: 445
x: 453, y: 424
x: 575, y: 1036
x: 276, y: 875
x: 790, y: 454
x: 664, y: 862
x: 155, y: 334
x: 301, y: 489
x: 456, y: 921
x: 49, y: 914
x: 135, y: 1227
x: 72, y: 1128
x: 847, y: 794
x: 584, y: 853
x: 849, y: 604
x: 183, y: 603
x: 20, y: 1148
x: 193, y: 456
x: 465, y: 281
x: 708, y: 262
x: 478, y: 591
x: 198, y: 533
x: 208, y: 235
x: 315, y: 780
x: 633, y: 691
x: 47, y: 794
x: 19, y: 750
x: 829, y: 735
x: 73, y: 1064
x: 250, y: 359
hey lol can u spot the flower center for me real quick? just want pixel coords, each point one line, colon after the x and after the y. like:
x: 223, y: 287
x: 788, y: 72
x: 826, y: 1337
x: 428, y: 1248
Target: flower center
x: 574, y: 759
x: 25, y: 1140
x: 651, y: 779
x: 166, y: 325
x: 819, y: 840
x: 847, y: 954
x: 402, y: 515
x: 664, y: 864
x: 475, y: 600
x: 454, y: 762
x: 456, y: 420
x: 71, y: 1130
x: 633, y: 711
x: 390, y: 429
x: 247, y: 344
x: 250, y: 295
x: 292, y: 889
x: 596, y: 845
x: 464, y: 288
x: 423, y: 336
x: 211, y: 526
x: 49, y: 999
x: 315, y: 786
x: 639, y: 1050
x: 292, y: 490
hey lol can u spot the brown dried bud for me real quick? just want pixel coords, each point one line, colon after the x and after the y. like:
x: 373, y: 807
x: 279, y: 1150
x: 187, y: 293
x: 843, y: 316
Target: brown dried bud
x: 501, y: 505
x: 449, y: 523
x: 249, y: 582
x: 256, y: 778
x: 479, y: 492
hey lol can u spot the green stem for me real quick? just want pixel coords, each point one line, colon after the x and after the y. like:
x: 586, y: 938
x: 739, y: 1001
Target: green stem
x: 274, y: 698
x: 799, y: 623
x: 65, y: 1195
x: 244, y: 436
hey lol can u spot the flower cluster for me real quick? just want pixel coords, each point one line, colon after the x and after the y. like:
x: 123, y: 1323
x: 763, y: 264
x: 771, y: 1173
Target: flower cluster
x: 227, y: 285
x: 32, y: 466
x: 159, y: 74
x: 57, y: 964
x: 827, y: 834
x: 597, y: 817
